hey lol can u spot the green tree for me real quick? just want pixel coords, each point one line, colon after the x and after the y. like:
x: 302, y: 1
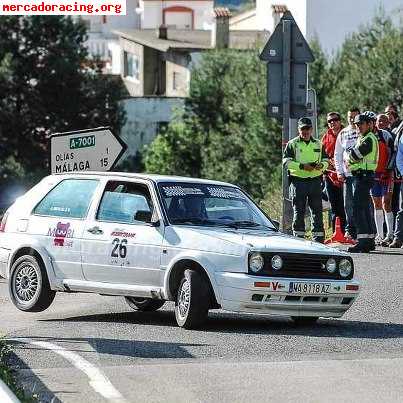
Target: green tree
x: 367, y: 70
x: 319, y: 77
x: 223, y: 132
x: 47, y: 85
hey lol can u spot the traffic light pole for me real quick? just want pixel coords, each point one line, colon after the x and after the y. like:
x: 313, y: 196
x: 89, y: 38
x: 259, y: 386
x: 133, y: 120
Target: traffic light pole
x: 286, y: 90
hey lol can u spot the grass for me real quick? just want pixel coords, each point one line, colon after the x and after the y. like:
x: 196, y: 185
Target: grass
x: 7, y: 375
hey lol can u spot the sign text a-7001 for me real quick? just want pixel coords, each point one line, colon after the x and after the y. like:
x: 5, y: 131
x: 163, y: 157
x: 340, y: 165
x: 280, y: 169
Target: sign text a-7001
x: 82, y: 142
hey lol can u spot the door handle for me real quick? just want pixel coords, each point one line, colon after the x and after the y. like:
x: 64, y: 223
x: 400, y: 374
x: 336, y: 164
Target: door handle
x: 95, y: 230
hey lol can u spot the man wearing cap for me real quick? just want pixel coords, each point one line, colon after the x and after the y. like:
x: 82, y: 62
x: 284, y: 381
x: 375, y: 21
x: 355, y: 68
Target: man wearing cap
x: 306, y: 159
x: 363, y: 159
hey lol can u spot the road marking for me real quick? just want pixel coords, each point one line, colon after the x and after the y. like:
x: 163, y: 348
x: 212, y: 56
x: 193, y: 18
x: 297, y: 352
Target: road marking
x: 97, y: 380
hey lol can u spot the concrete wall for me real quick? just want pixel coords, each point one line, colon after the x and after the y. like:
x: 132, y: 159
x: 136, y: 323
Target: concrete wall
x: 152, y: 11
x: 245, y: 21
x: 177, y: 64
x: 134, y: 87
x: 145, y: 116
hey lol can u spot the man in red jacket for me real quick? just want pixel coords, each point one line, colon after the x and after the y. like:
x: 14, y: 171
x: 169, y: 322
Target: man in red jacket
x: 334, y: 188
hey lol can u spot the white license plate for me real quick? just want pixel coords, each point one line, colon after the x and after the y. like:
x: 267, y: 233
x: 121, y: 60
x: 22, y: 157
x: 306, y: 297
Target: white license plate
x: 309, y: 288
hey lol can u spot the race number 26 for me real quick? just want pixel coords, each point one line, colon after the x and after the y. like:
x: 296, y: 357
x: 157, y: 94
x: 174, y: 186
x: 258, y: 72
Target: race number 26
x: 119, y: 248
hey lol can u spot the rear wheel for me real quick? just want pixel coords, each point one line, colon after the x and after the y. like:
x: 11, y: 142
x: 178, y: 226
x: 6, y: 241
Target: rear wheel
x: 304, y: 320
x: 144, y: 304
x: 192, y: 300
x: 29, y: 285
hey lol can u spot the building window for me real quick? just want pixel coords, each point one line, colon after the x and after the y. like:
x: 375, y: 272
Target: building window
x: 131, y: 66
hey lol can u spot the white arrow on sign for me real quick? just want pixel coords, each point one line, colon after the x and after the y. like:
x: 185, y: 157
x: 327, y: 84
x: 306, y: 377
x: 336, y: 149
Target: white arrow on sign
x: 85, y: 150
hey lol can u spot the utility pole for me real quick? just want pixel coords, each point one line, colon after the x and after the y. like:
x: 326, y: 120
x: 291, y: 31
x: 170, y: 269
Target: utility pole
x: 287, y: 54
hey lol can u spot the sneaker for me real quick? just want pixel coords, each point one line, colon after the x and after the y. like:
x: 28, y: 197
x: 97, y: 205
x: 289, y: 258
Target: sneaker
x: 378, y: 241
x: 387, y: 241
x: 396, y: 243
x: 371, y: 244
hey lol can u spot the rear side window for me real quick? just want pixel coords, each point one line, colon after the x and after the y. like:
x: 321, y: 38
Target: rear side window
x: 71, y: 198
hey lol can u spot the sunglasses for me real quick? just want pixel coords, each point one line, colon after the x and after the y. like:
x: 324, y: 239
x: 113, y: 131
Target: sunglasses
x: 333, y: 120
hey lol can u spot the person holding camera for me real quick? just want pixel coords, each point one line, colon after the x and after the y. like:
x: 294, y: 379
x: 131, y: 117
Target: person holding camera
x: 306, y: 160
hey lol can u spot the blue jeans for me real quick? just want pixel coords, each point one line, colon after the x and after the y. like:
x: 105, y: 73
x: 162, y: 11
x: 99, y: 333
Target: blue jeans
x: 348, y: 206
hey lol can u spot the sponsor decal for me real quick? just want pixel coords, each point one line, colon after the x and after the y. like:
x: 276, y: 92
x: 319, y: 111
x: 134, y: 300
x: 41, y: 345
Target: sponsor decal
x: 123, y: 234
x: 60, y: 233
x: 275, y: 285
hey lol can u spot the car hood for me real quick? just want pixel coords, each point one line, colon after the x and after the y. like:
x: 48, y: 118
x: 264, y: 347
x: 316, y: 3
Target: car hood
x: 268, y: 241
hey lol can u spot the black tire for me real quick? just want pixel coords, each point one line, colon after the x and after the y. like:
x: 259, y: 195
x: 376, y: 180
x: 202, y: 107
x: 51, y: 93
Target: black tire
x: 304, y: 320
x: 193, y: 300
x: 29, y: 286
x: 144, y: 304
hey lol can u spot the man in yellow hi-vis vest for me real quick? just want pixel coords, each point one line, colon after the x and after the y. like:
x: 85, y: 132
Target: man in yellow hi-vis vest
x: 362, y: 162
x: 306, y: 159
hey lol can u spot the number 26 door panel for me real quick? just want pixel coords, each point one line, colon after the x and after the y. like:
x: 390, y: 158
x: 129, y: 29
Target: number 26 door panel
x: 121, y: 253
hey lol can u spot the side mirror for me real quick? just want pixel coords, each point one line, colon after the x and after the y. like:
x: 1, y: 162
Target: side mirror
x: 143, y: 215
x: 146, y: 217
x: 276, y: 224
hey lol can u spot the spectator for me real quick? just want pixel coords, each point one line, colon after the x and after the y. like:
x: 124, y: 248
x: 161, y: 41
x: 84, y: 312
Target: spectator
x: 306, y: 160
x: 395, y: 127
x: 363, y: 162
x: 346, y: 140
x: 392, y: 113
x: 334, y: 186
x: 398, y: 235
x: 382, y: 190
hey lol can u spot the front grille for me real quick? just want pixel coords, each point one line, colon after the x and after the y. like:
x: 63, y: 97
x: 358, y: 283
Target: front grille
x: 298, y: 265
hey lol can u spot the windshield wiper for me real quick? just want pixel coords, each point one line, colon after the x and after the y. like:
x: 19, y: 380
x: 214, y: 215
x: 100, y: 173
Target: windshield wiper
x: 246, y: 224
x: 197, y: 221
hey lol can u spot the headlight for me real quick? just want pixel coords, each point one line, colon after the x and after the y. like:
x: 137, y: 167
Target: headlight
x: 256, y: 262
x: 345, y: 268
x: 276, y: 262
x: 331, y: 265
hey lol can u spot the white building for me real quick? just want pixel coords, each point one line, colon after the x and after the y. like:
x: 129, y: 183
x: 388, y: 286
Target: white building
x: 178, y: 14
x: 144, y: 14
x: 329, y: 20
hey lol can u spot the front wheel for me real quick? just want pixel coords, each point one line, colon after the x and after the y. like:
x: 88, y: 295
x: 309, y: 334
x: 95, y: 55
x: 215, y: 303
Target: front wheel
x: 144, y: 304
x: 304, y: 320
x: 192, y: 300
x: 29, y: 285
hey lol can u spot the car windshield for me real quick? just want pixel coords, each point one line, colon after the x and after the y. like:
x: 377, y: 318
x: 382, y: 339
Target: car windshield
x: 211, y: 205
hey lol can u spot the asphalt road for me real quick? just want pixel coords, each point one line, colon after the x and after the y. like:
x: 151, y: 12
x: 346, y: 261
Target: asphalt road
x: 94, y: 348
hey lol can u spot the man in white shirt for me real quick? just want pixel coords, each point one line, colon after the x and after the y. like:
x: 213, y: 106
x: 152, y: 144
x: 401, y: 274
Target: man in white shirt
x: 346, y: 140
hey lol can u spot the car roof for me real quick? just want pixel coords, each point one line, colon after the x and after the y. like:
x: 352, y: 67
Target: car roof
x: 151, y: 177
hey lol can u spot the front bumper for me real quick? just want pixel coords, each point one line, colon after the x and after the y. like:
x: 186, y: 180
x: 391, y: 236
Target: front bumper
x: 4, y: 256
x: 239, y: 293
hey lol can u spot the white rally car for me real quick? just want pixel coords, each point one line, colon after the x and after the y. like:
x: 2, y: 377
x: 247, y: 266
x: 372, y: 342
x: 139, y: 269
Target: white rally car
x: 200, y: 243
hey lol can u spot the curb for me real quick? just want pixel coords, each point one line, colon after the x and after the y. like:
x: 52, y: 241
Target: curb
x: 6, y: 395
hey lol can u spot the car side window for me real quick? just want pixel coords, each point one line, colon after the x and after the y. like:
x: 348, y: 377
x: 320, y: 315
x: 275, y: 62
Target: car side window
x: 70, y: 198
x: 122, y: 200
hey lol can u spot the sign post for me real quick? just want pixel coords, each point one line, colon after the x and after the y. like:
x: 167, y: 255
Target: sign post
x: 85, y: 150
x: 287, y: 54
